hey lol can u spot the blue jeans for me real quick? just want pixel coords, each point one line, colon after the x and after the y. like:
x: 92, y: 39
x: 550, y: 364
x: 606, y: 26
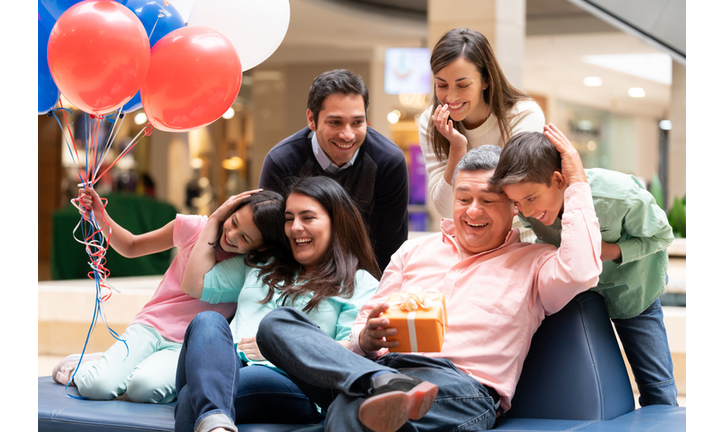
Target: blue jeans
x: 338, y: 380
x: 647, y: 349
x: 215, y: 389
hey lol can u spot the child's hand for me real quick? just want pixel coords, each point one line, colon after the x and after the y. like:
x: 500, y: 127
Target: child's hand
x: 223, y: 212
x: 610, y: 251
x: 90, y: 200
x: 571, y: 165
x: 444, y: 125
x: 250, y: 349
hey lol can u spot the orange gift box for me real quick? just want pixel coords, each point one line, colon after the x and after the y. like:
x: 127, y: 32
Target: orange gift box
x: 419, y: 330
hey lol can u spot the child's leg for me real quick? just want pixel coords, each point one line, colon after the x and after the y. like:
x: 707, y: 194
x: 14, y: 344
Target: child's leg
x: 647, y: 349
x: 107, y: 378
x: 154, y: 380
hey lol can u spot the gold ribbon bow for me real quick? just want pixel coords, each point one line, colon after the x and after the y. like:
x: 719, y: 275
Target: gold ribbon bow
x: 414, y: 298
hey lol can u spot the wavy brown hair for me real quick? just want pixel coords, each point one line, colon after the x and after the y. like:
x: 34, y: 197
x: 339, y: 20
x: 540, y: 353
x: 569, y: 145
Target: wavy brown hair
x: 500, y: 95
x: 350, y: 248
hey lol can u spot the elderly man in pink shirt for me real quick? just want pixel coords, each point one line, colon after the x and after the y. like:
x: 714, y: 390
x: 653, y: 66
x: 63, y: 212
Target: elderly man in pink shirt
x: 497, y: 291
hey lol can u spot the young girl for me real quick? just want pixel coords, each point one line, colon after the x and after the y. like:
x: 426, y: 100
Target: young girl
x: 474, y: 105
x: 146, y: 370
x: 330, y: 273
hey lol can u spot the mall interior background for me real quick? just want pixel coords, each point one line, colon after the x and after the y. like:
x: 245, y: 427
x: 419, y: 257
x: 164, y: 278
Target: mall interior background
x: 578, y: 64
x: 552, y: 49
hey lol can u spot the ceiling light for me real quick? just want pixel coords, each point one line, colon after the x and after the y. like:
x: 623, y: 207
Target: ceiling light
x: 413, y: 100
x: 652, y: 66
x: 140, y: 118
x: 592, y: 81
x: 229, y: 113
x: 393, y: 116
x: 232, y: 163
x: 197, y: 163
x: 636, y: 92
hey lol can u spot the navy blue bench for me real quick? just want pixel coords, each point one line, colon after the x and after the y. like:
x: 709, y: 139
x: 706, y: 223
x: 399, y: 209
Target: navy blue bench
x: 574, y: 379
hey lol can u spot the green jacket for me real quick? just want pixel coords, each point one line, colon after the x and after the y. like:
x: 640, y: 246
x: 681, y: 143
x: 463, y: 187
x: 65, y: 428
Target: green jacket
x: 628, y: 216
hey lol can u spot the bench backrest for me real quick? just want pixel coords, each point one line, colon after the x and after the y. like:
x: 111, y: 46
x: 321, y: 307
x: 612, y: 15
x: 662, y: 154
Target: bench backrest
x: 574, y: 369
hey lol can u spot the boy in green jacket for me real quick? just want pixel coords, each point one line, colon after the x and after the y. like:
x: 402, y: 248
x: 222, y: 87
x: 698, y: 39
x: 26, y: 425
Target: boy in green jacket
x: 635, y: 232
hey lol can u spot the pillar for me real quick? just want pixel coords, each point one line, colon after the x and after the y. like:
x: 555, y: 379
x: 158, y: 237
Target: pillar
x: 501, y: 21
x: 677, y: 134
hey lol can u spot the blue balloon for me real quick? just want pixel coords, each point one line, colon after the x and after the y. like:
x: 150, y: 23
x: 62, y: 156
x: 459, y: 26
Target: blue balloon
x: 48, y: 93
x: 50, y: 10
x: 133, y: 104
x: 158, y: 20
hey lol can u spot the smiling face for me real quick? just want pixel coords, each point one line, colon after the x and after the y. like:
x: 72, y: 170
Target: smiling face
x: 341, y: 126
x: 482, y: 217
x: 239, y: 233
x: 308, y: 228
x: 460, y: 86
x: 538, y: 201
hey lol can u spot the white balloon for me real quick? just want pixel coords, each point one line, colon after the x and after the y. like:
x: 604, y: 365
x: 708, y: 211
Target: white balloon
x: 256, y: 28
x: 183, y: 7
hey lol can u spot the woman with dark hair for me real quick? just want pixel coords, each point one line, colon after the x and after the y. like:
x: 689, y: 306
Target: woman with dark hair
x: 327, y: 270
x: 474, y: 105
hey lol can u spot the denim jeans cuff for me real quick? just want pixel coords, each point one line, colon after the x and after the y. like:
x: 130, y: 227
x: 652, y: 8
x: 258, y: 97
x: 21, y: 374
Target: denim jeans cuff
x: 213, y: 421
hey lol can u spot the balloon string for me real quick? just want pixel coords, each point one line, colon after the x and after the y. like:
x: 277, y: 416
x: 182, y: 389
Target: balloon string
x: 93, y: 240
x: 96, y: 247
x: 76, y: 158
x: 146, y: 131
x: 91, y: 146
x: 108, y: 144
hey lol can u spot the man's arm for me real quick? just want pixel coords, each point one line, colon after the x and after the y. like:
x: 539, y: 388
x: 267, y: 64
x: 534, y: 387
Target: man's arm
x: 369, y: 330
x: 391, y: 204
x: 577, y: 263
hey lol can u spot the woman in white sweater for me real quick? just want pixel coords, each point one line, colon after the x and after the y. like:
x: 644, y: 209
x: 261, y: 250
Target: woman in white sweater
x: 474, y: 105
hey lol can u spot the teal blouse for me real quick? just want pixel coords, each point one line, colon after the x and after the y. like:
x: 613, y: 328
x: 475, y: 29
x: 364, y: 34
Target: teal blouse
x: 233, y: 281
x: 628, y: 216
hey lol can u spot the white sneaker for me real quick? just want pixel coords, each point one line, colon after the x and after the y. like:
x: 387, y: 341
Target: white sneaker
x: 63, y: 371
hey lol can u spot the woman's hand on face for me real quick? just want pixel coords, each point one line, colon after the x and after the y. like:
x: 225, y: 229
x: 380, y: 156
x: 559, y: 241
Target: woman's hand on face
x: 250, y: 349
x: 224, y: 211
x: 444, y: 125
x: 373, y: 335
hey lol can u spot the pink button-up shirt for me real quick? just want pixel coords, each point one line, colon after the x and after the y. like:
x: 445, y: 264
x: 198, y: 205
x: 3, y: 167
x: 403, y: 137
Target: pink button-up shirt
x: 496, y: 299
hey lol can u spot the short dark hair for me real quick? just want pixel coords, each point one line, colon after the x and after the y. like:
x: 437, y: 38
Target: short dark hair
x: 483, y: 158
x: 331, y: 82
x: 527, y: 157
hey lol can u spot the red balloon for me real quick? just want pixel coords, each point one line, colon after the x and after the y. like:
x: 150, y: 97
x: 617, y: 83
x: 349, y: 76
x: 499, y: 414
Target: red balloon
x: 194, y: 77
x: 98, y: 55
